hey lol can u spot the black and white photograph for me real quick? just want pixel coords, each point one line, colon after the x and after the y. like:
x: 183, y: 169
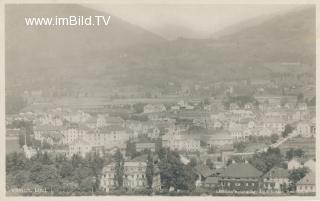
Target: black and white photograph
x: 160, y: 99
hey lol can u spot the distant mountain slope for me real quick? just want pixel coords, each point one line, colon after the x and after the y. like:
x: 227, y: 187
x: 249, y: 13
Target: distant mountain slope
x: 131, y: 56
x: 246, y: 53
x: 59, y: 47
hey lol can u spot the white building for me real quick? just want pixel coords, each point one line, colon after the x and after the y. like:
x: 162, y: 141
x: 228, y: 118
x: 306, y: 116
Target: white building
x: 294, y: 164
x: 79, y: 147
x: 134, y: 177
x: 307, y: 184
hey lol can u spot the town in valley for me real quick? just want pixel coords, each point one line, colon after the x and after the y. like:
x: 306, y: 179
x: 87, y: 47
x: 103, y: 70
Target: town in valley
x: 229, y: 116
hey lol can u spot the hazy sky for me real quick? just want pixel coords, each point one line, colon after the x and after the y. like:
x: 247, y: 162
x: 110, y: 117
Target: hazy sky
x: 198, y: 21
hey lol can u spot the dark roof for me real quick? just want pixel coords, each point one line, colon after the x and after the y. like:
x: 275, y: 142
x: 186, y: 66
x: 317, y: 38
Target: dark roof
x: 308, y: 179
x: 203, y: 170
x: 241, y: 170
x: 277, y: 172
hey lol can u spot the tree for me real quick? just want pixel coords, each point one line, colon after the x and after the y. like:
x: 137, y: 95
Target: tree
x: 239, y: 146
x: 131, y: 149
x: 266, y: 160
x: 287, y: 130
x: 274, y: 138
x: 138, y: 107
x: 150, y: 170
x: 21, y: 178
x: 119, y: 165
x: 209, y: 163
x: 193, y: 162
x: 45, y: 175
x: 298, y: 153
x: 295, y: 176
x: 291, y: 153
x: 46, y: 159
x: 65, y: 169
x: 174, y: 173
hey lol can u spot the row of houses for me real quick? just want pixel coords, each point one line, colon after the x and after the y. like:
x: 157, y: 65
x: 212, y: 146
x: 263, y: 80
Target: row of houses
x: 243, y: 178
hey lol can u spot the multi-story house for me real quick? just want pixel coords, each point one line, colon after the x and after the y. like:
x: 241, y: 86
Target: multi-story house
x: 48, y: 133
x: 79, y: 147
x: 273, y: 123
x: 134, y: 177
x: 141, y: 146
x: 240, y: 178
x: 275, y: 181
x: 74, y: 132
x: 218, y: 139
x: 109, y: 136
x: 181, y: 142
x: 307, y: 184
x: 77, y: 117
x: 304, y: 129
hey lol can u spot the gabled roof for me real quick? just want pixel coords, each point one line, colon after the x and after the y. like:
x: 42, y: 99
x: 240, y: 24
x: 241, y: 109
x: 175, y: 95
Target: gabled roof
x: 241, y: 170
x: 309, y: 179
x: 277, y: 172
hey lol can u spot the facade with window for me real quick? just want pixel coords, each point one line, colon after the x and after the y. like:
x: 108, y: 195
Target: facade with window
x: 307, y: 184
x: 134, y: 176
x: 240, y: 178
x: 275, y: 181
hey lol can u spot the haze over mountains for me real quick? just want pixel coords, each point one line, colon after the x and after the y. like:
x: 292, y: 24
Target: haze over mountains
x: 128, y: 55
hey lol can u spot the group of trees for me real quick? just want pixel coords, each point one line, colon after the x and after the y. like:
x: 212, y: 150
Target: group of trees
x: 266, y: 160
x: 174, y: 174
x: 291, y: 153
x: 295, y: 176
x: 55, y: 174
x: 287, y: 130
x: 119, y: 161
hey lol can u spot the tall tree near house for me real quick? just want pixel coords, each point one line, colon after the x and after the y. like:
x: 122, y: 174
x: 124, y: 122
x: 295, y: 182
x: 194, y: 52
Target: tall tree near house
x: 287, y: 130
x: 294, y: 176
x: 150, y: 170
x: 193, y: 162
x: 119, y: 163
x: 209, y: 163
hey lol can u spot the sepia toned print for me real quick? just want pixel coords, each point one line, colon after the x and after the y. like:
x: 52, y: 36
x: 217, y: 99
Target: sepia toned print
x: 160, y: 100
